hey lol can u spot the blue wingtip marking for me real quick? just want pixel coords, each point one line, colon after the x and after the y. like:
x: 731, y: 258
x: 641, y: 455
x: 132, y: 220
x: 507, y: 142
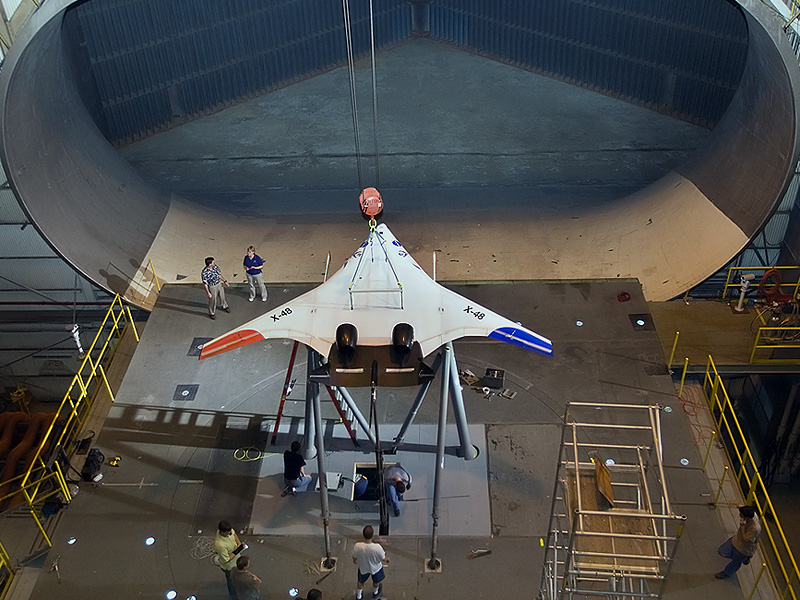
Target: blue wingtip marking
x: 523, y: 339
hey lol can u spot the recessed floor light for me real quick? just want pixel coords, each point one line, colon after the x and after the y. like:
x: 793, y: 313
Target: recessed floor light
x: 150, y: 541
x: 579, y: 323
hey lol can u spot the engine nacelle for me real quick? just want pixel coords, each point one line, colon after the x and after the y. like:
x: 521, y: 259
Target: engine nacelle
x: 346, y: 340
x: 402, y: 341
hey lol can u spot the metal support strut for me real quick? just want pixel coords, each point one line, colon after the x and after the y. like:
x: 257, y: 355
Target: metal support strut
x: 412, y: 413
x: 447, y: 353
x: 328, y: 562
x: 466, y: 450
x: 384, y: 509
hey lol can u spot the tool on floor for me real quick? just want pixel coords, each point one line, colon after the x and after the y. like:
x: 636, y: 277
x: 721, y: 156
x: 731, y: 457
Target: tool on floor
x: 318, y: 581
x: 54, y: 567
x: 478, y: 553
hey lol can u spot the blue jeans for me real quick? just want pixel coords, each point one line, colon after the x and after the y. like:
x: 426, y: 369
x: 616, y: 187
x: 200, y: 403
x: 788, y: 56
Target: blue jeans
x: 728, y: 550
x: 393, y: 497
x: 298, y: 483
x: 229, y: 581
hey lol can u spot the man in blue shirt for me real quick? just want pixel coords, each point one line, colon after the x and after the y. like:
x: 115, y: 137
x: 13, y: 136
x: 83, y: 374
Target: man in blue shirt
x: 253, y: 264
x: 397, y: 480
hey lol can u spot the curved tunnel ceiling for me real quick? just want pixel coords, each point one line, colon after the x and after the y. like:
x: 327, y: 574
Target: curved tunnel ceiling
x: 108, y: 220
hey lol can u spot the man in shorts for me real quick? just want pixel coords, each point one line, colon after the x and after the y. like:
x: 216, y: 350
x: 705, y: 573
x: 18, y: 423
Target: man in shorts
x: 370, y: 558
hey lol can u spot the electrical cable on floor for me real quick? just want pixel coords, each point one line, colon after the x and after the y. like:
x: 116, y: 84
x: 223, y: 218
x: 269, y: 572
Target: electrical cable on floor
x: 248, y: 454
x: 758, y: 316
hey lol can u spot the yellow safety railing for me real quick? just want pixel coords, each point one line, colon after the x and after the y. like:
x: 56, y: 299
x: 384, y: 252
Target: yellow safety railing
x: 155, y: 277
x: 776, y: 338
x: 732, y: 284
x: 40, y: 481
x: 6, y: 572
x: 775, y: 548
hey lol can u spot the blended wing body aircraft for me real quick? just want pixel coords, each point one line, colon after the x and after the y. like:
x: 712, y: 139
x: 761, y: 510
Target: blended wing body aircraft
x: 380, y: 312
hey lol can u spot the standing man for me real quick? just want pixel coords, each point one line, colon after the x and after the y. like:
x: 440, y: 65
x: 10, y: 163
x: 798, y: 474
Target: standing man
x: 247, y: 584
x: 228, y: 547
x: 213, y: 280
x: 370, y: 558
x: 293, y: 474
x: 253, y: 264
x: 397, y: 480
x: 742, y: 546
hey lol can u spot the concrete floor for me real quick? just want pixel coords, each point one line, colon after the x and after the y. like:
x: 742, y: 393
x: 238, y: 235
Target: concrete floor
x: 180, y: 470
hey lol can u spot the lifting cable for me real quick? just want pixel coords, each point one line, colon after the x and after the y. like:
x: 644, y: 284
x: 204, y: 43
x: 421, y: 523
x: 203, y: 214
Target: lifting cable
x: 348, y: 32
x: 374, y: 95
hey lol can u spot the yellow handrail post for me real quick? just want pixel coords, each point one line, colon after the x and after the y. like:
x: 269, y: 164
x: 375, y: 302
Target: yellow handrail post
x: 683, y: 376
x: 133, y: 325
x: 708, y: 452
x: 62, y: 483
x: 5, y: 562
x: 755, y: 583
x: 674, y: 345
x: 721, y: 482
x: 105, y: 380
x: 755, y: 345
x: 41, y: 528
x: 153, y: 269
x: 727, y: 283
x: 751, y: 494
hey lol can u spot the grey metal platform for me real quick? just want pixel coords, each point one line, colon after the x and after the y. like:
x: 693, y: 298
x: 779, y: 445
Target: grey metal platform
x: 176, y: 454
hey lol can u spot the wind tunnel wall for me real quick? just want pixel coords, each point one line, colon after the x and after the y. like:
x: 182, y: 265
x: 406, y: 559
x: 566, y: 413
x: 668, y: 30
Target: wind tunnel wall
x: 104, y: 218
x: 85, y: 200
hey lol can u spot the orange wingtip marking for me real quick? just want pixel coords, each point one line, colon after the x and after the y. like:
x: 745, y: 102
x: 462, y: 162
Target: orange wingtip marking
x: 234, y: 340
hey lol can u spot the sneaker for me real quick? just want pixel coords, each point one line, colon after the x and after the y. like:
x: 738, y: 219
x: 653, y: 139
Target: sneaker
x: 396, y: 512
x: 285, y: 491
x: 212, y: 316
x: 263, y: 299
x: 250, y: 299
x: 720, y: 575
x: 746, y: 561
x: 293, y: 491
x: 227, y: 309
x: 378, y: 590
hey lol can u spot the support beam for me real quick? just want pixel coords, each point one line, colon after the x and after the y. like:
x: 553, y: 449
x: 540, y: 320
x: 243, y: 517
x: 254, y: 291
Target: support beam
x: 362, y: 422
x: 434, y: 564
x: 466, y: 449
x: 313, y: 362
x: 412, y: 413
x: 309, y: 447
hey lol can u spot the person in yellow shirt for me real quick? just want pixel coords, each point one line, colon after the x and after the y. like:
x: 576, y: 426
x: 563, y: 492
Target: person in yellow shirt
x: 228, y: 547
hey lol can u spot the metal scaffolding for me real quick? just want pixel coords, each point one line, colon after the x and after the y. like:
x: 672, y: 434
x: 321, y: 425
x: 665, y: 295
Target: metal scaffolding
x: 612, y: 530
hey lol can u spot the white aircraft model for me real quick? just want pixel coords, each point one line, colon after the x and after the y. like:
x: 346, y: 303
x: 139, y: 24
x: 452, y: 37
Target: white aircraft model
x: 378, y: 316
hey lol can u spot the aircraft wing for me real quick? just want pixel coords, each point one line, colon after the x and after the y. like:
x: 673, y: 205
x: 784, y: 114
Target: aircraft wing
x: 379, y: 287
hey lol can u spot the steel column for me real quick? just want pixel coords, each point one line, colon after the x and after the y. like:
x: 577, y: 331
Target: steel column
x: 434, y: 563
x: 466, y: 450
x: 313, y: 391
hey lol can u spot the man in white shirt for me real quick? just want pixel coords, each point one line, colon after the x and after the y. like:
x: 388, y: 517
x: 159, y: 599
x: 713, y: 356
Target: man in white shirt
x: 370, y: 558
